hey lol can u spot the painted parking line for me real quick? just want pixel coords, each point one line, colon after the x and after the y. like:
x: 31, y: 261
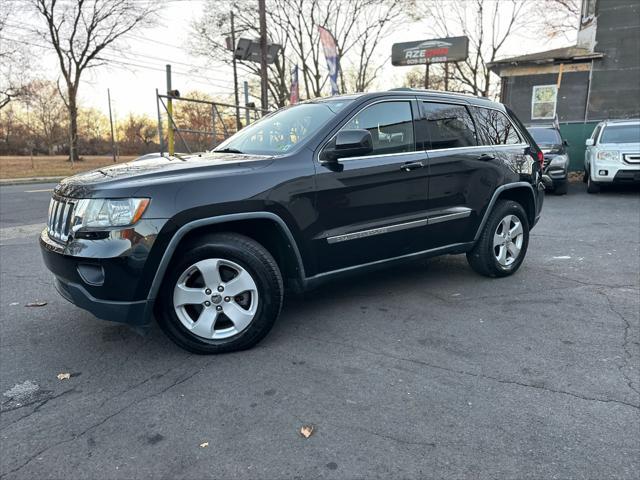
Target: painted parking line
x: 21, y: 231
x: 38, y: 191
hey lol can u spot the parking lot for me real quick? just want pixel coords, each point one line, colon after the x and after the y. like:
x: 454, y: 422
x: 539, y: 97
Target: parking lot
x: 425, y: 370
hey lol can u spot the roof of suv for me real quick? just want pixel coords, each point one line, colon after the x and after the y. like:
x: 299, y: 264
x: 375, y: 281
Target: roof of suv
x: 480, y: 101
x: 628, y: 121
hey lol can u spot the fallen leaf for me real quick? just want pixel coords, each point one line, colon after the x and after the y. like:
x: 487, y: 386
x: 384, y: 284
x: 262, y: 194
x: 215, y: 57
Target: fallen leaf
x: 307, y: 430
x: 64, y: 376
x: 36, y: 304
x: 13, y: 304
x: 204, y: 445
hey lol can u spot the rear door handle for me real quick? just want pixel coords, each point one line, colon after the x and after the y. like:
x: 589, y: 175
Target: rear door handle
x: 407, y: 167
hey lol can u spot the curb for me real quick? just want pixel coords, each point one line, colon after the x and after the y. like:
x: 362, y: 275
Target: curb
x: 25, y: 181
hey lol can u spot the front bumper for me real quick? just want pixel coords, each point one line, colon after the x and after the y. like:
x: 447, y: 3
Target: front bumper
x: 109, y: 277
x: 616, y: 172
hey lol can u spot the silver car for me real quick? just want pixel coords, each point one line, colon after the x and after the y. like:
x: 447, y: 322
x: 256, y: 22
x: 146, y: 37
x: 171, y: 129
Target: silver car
x: 613, y: 154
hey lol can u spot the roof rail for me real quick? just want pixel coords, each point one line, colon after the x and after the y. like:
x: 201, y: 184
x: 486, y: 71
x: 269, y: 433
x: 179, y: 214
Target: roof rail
x: 424, y: 90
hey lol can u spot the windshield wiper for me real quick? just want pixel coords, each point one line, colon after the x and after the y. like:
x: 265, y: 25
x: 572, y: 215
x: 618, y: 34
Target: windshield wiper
x: 228, y: 150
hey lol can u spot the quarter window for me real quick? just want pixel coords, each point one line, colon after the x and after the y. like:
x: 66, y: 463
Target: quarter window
x: 449, y: 126
x: 496, y: 128
x: 390, y: 124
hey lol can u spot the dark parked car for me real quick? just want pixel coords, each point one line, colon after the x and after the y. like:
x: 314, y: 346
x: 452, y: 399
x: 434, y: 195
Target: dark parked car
x: 330, y: 187
x: 556, y: 156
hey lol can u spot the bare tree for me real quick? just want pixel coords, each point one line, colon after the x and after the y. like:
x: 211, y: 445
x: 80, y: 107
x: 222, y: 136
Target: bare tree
x: 559, y: 17
x: 488, y: 25
x: 46, y: 112
x: 357, y: 25
x: 79, y: 31
x: 14, y: 60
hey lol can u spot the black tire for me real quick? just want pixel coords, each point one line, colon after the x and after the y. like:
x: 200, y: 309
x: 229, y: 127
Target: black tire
x: 561, y: 188
x: 482, y: 258
x: 253, y: 258
x: 584, y: 176
x: 592, y: 187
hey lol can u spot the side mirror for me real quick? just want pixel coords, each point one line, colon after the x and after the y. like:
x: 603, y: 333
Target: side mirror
x: 589, y: 142
x: 565, y: 143
x: 349, y: 143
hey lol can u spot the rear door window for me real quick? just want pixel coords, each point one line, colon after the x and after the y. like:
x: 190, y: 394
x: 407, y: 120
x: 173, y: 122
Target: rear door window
x: 495, y: 128
x: 448, y: 126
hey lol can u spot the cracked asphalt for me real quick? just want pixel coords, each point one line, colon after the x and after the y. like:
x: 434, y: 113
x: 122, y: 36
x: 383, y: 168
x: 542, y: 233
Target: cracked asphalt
x: 420, y: 371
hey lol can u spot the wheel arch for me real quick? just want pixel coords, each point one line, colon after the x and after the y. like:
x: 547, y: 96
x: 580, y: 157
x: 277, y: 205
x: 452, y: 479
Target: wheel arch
x: 520, y: 192
x: 266, y: 228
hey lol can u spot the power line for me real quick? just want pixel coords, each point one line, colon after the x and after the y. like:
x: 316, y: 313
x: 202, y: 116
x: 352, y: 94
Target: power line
x: 191, y: 76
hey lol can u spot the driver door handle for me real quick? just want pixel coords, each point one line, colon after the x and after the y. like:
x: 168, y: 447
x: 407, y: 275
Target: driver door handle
x: 407, y: 167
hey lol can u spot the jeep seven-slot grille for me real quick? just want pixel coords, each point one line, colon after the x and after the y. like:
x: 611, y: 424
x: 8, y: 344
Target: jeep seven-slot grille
x: 60, y: 217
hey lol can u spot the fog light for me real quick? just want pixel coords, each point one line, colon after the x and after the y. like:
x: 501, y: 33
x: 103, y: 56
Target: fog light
x: 603, y: 172
x: 91, y: 274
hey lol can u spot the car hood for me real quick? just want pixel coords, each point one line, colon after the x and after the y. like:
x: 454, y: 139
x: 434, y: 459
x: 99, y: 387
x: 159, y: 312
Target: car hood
x: 551, y: 148
x: 159, y: 169
x: 622, y: 147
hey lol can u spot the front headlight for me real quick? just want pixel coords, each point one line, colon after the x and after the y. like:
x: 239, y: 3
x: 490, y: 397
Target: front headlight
x: 608, y: 155
x: 559, y: 161
x: 105, y: 212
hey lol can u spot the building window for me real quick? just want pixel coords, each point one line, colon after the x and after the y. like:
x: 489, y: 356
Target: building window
x: 543, y: 102
x: 588, y: 10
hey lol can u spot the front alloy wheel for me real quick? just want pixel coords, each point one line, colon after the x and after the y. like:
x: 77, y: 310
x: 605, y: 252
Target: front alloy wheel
x: 221, y: 294
x: 215, y: 298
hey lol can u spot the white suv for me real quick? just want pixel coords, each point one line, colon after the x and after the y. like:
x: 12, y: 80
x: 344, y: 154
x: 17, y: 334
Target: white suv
x: 613, y: 154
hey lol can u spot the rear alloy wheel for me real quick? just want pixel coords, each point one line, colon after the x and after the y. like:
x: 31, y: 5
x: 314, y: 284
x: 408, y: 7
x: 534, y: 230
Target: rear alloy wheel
x: 223, y: 294
x: 503, y: 243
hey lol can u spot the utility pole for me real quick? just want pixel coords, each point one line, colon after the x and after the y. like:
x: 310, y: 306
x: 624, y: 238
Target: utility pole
x: 235, y: 73
x: 247, y: 118
x: 113, y: 141
x: 160, y: 137
x: 446, y: 76
x: 169, y: 113
x: 264, y: 91
x: 426, y: 76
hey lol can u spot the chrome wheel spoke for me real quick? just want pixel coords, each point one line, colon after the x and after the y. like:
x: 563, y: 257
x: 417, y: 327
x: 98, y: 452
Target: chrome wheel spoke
x: 206, y: 322
x: 516, y: 229
x: 498, y: 239
x: 238, y: 315
x: 241, y: 283
x: 210, y: 270
x: 513, y: 250
x: 502, y: 255
x: 183, y: 295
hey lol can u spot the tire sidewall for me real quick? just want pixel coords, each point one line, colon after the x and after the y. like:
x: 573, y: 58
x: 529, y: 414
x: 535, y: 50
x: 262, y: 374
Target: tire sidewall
x: 269, y: 299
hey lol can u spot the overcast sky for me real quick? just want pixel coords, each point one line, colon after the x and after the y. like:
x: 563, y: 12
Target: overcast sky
x: 146, y: 53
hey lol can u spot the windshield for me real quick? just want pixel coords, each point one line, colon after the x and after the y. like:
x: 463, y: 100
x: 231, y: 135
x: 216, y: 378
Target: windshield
x: 285, y: 129
x: 548, y: 136
x: 621, y: 134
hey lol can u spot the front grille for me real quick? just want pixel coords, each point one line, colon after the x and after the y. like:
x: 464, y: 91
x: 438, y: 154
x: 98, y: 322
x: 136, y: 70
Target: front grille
x: 632, y: 158
x: 60, y: 217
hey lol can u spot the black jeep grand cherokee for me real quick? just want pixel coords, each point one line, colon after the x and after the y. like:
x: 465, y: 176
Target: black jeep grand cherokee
x: 328, y: 187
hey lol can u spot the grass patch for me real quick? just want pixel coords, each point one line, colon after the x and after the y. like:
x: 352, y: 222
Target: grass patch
x: 53, y: 166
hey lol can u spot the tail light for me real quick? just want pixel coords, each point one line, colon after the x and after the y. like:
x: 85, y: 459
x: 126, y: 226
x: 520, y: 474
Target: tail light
x: 540, y: 158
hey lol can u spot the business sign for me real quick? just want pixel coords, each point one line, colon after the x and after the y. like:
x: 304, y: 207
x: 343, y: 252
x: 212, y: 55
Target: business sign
x: 439, y: 50
x: 249, y: 50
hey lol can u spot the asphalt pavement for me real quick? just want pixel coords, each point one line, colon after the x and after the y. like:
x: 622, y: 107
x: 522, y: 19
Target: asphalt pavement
x: 420, y: 371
